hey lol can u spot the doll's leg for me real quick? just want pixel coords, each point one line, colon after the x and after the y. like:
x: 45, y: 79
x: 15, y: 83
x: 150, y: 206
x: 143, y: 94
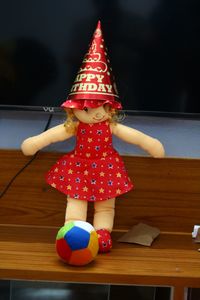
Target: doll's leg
x: 104, y: 214
x: 76, y: 210
x: 103, y: 223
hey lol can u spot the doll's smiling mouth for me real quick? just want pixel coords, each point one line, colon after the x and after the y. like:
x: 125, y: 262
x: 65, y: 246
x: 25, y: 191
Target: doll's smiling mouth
x: 98, y: 119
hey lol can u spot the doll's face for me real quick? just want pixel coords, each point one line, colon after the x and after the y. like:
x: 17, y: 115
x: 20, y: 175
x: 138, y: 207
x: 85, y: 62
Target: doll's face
x: 92, y: 115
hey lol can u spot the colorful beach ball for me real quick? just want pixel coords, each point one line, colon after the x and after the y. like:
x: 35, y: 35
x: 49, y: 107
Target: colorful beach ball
x: 77, y: 243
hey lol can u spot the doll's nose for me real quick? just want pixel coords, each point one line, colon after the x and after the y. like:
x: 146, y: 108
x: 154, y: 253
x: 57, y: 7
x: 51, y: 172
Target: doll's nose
x: 98, y: 115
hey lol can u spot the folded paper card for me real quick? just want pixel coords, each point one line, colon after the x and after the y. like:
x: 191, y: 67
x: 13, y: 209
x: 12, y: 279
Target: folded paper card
x: 141, y: 234
x: 197, y: 237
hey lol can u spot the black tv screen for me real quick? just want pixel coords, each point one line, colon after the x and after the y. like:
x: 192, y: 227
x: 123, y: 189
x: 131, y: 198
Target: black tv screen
x: 154, y: 48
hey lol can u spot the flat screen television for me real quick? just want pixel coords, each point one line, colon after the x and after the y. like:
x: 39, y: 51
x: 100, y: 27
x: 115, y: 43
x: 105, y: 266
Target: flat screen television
x: 154, y: 48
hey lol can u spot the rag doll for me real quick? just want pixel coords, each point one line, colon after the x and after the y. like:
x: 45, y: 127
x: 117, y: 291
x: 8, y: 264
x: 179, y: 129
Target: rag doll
x: 93, y: 171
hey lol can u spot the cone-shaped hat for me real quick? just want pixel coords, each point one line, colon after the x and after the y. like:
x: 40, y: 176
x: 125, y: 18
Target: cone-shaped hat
x: 94, y: 84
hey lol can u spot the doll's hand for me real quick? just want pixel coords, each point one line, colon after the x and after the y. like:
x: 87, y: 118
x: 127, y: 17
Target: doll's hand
x: 29, y: 146
x: 156, y: 149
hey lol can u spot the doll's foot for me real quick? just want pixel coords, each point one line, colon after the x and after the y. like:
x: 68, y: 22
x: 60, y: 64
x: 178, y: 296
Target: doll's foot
x: 105, y: 241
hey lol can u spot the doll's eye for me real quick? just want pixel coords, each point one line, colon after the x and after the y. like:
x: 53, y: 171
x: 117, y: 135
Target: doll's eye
x: 85, y: 109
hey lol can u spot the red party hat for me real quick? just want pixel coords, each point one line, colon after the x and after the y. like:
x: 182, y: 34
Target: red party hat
x: 94, y: 84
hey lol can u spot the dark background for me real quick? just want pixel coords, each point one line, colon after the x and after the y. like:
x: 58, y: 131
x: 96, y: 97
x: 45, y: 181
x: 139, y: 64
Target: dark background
x: 154, y: 48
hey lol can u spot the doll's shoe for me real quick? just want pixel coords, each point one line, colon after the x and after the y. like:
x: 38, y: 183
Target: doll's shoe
x: 105, y: 241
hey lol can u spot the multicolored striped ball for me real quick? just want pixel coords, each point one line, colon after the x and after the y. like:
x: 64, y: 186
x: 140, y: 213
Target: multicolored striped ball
x: 77, y: 243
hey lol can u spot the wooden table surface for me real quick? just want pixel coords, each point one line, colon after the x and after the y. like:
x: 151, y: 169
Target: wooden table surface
x: 27, y: 252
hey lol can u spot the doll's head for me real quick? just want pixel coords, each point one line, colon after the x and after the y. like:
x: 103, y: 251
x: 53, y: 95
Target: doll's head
x: 90, y: 114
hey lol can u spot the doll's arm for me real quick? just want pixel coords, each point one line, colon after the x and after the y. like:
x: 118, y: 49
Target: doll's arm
x: 133, y: 136
x: 56, y: 134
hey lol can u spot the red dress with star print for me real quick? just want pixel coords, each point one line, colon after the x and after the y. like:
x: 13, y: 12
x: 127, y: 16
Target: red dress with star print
x: 93, y: 171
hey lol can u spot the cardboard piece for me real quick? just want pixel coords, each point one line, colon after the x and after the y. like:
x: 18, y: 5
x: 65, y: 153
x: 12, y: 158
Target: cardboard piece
x: 141, y: 234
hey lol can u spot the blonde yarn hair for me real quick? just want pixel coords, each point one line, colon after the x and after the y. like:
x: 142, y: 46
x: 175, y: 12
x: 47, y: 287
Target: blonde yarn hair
x: 70, y: 123
x: 116, y: 116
